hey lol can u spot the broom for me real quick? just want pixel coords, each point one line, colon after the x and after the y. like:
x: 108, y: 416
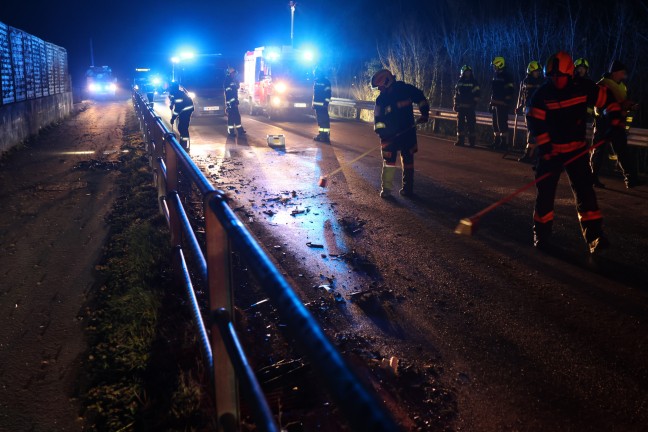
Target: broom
x: 468, y: 226
x: 323, y: 180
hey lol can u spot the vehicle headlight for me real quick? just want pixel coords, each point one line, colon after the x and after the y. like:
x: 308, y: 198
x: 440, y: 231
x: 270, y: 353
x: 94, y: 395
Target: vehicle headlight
x: 281, y: 87
x: 276, y: 101
x: 92, y: 87
x: 192, y: 95
x: 112, y: 86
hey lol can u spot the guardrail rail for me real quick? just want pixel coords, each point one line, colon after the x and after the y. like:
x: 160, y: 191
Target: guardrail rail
x: 220, y: 344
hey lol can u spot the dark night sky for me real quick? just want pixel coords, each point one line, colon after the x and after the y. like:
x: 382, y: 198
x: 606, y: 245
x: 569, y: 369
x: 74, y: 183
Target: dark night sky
x: 127, y: 34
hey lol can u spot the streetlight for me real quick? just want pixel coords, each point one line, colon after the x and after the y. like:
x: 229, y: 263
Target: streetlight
x: 292, y: 5
x: 174, y: 61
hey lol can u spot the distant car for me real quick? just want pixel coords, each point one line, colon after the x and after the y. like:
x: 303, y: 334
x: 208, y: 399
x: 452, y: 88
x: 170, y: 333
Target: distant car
x: 100, y: 82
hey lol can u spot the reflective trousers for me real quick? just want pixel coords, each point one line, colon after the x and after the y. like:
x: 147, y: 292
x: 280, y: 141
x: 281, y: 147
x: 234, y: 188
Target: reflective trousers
x: 626, y: 154
x: 580, y: 178
x: 323, y: 119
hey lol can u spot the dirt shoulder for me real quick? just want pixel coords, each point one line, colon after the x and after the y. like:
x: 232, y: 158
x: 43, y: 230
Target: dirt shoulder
x: 52, y: 230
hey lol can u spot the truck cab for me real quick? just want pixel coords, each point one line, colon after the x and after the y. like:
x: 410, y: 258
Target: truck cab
x: 100, y: 82
x: 277, y: 82
x: 203, y: 76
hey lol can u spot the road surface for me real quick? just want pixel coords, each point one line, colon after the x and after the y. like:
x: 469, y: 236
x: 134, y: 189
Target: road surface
x: 52, y: 232
x: 515, y: 339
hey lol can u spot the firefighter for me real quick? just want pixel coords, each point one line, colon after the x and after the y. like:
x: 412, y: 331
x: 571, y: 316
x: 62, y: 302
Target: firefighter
x: 501, y: 96
x: 466, y: 97
x: 556, y: 117
x: 394, y: 124
x: 321, y: 100
x: 231, y: 86
x: 581, y: 69
x: 533, y: 80
x: 612, y: 126
x: 182, y: 107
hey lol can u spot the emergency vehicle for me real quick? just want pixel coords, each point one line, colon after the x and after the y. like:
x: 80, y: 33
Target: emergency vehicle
x: 100, y: 81
x: 202, y: 76
x: 277, y: 82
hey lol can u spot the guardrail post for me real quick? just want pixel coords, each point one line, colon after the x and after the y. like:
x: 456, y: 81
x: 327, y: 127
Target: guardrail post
x: 172, y: 186
x: 220, y: 296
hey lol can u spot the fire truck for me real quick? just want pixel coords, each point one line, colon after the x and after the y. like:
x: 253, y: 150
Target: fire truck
x: 277, y: 82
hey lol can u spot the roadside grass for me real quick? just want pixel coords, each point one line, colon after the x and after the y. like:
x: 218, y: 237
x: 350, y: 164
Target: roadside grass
x: 143, y: 369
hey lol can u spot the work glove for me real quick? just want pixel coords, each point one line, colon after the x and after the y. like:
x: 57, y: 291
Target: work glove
x: 173, y: 118
x: 491, y: 108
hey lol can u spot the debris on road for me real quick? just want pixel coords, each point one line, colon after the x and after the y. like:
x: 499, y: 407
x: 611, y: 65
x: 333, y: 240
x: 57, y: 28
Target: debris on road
x: 315, y: 245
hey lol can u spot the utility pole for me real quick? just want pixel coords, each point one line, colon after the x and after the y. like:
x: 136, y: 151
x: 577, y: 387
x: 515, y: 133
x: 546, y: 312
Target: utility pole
x: 292, y: 5
x: 91, y: 54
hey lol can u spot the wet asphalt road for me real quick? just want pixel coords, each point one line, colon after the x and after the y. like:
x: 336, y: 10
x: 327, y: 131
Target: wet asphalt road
x: 523, y: 340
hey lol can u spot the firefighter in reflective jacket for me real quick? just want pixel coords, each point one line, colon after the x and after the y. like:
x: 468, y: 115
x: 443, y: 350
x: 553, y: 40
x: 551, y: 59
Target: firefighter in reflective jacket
x: 182, y: 107
x: 321, y: 100
x: 466, y: 97
x: 231, y: 86
x: 612, y: 126
x: 557, y: 117
x: 501, y: 100
x: 532, y: 82
x: 394, y: 124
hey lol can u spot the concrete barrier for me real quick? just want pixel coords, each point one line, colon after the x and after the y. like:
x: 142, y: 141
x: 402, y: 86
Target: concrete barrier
x: 21, y: 120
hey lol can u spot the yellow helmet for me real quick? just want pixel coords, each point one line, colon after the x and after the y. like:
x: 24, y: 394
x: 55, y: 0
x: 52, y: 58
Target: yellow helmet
x: 382, y: 78
x: 581, y: 62
x: 465, y: 68
x: 533, y: 66
x: 498, y: 62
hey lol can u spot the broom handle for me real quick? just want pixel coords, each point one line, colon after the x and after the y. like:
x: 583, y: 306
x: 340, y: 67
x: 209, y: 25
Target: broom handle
x: 338, y: 169
x: 533, y: 183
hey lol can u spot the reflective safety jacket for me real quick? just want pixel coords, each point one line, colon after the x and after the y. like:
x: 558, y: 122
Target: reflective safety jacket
x: 558, y: 118
x: 502, y: 89
x: 466, y: 93
x: 528, y: 87
x: 231, y: 86
x: 394, y: 111
x: 321, y: 92
x: 180, y: 102
x: 617, y: 113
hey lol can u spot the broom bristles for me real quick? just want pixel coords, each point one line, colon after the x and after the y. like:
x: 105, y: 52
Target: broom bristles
x: 465, y: 227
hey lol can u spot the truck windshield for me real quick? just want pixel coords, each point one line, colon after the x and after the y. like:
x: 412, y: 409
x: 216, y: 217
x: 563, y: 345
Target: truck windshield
x: 202, y: 73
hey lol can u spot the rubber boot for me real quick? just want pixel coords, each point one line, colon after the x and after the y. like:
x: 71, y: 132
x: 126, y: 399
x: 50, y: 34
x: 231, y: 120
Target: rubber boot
x: 541, y: 234
x: 504, y: 144
x: 594, y: 237
x: 497, y: 141
x: 387, y: 180
x: 528, y: 154
x: 471, y: 140
x: 460, y: 141
x: 324, y: 137
x: 408, y: 182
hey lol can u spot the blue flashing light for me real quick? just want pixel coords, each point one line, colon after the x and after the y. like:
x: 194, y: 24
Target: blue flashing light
x: 308, y: 56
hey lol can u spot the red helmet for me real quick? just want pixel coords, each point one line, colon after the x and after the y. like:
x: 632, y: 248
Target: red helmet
x: 382, y: 78
x: 560, y: 64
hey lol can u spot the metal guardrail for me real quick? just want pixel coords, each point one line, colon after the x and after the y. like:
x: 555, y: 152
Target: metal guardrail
x: 220, y: 345
x: 636, y: 137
